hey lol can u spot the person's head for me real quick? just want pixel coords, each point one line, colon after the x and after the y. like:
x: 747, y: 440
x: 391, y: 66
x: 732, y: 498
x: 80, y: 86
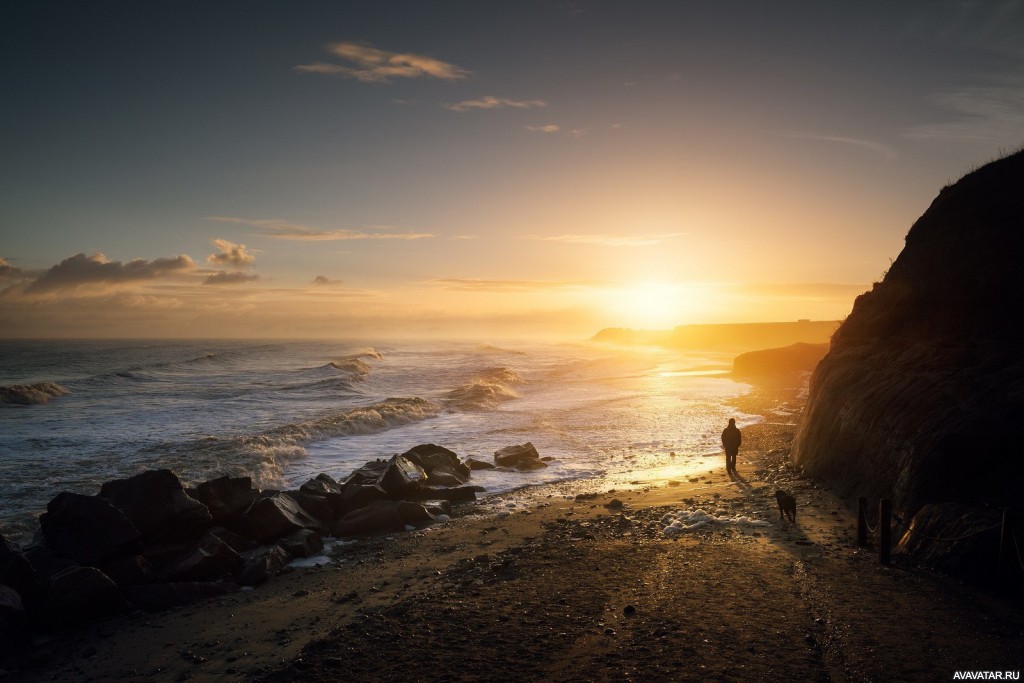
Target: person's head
x: 732, y: 421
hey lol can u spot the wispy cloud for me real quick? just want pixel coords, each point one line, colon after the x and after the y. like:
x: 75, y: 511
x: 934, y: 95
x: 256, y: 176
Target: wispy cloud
x: 549, y: 128
x: 373, y: 65
x: 887, y: 152
x: 230, y: 254
x: 991, y: 113
x: 604, y: 240
x: 484, y: 285
x: 492, y: 102
x: 324, y: 281
x: 235, y: 277
x: 578, y: 132
x: 285, y: 230
x: 9, y: 272
x: 97, y: 271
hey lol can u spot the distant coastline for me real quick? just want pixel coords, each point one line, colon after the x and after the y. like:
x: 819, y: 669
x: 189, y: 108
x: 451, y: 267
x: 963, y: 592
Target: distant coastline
x: 740, y: 336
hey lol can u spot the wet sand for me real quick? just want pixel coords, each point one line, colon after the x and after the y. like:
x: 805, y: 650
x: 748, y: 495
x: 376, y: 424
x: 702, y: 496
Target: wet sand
x: 581, y: 589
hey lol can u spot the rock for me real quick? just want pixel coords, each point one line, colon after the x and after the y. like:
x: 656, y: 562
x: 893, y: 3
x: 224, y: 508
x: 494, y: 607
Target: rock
x: 528, y: 464
x: 614, y: 504
x: 156, y: 503
x: 455, y: 494
x: 439, y: 463
x: 382, y: 516
x: 80, y: 594
x: 156, y: 597
x: 238, y: 543
x: 367, y: 474
x: 317, y: 506
x: 260, y: 564
x: 325, y: 486
x: 16, y: 571
x: 302, y: 543
x: 15, y: 629
x: 276, y: 514
x: 128, y: 571
x: 512, y: 456
x: 401, y: 476
x: 357, y: 495
x: 474, y: 464
x: 88, y: 529
x: 45, y: 563
x: 437, y: 507
x: 225, y: 497
x: 209, y: 559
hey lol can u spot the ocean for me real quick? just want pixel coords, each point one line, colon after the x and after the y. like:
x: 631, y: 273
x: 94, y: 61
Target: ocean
x: 283, y: 411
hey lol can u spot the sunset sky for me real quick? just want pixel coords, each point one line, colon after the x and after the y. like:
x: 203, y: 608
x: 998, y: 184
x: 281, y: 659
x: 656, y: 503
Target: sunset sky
x: 488, y: 169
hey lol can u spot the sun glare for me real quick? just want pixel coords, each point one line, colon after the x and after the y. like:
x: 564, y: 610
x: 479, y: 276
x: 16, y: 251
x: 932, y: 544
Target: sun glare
x: 655, y: 305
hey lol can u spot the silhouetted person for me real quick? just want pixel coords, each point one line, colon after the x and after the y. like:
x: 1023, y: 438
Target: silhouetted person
x: 731, y: 439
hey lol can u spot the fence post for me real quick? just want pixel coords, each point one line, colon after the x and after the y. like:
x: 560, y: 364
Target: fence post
x: 884, y: 529
x: 862, y: 522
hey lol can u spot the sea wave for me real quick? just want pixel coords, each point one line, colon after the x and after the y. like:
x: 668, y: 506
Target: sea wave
x: 31, y: 394
x: 485, y: 391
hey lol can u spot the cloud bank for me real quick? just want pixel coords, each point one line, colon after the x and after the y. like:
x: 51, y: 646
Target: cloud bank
x: 492, y: 102
x: 80, y: 271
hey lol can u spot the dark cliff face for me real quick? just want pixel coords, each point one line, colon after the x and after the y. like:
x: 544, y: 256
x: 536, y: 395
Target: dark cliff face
x: 921, y: 396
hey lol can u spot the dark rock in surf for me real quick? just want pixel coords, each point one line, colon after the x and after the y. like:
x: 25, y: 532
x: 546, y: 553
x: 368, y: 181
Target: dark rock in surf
x: 356, y: 496
x: 16, y: 571
x: 128, y: 571
x: 400, y: 477
x: 442, y: 466
x: 238, y: 543
x: 528, y: 464
x: 45, y: 563
x: 454, y: 494
x: 156, y: 597
x: 317, y: 506
x: 156, y: 503
x: 512, y: 456
x: 77, y: 595
x: 382, y: 516
x: 225, y: 497
x: 325, y: 486
x: 261, y: 564
x: 474, y: 464
x: 275, y: 514
x: 302, y: 543
x: 88, y: 529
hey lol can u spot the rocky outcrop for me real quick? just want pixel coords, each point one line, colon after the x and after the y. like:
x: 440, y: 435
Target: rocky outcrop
x: 920, y: 394
x: 521, y: 456
x: 156, y: 503
x: 88, y: 529
x: 778, y: 365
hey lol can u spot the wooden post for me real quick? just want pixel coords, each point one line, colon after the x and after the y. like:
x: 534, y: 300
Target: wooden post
x: 884, y: 529
x: 862, y: 522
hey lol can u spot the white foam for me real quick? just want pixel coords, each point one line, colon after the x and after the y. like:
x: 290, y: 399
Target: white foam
x: 682, y: 521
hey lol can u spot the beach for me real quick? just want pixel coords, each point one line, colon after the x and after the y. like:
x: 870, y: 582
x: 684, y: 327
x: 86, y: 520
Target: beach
x: 583, y: 586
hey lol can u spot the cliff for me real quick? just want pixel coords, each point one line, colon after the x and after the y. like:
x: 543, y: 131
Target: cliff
x: 780, y: 364
x: 921, y: 393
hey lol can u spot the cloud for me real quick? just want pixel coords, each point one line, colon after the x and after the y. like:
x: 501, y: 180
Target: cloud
x: 611, y: 240
x: 231, y: 254
x: 284, y: 230
x: 9, y: 272
x: 372, y: 65
x: 549, y: 128
x: 887, y: 152
x: 235, y: 277
x: 492, y: 102
x: 992, y: 113
x: 578, y: 132
x: 324, y: 281
x: 482, y: 285
x: 96, y: 270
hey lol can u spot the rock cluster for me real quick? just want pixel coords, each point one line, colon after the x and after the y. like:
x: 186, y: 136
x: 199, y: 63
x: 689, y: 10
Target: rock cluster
x: 149, y: 543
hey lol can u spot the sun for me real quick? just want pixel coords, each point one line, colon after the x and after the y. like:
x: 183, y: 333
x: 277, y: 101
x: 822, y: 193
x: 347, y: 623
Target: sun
x: 655, y: 305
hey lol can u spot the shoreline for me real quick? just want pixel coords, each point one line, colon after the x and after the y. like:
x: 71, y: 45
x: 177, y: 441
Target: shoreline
x: 504, y: 592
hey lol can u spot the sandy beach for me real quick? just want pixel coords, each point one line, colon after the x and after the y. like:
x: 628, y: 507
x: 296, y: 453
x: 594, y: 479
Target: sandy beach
x: 582, y: 587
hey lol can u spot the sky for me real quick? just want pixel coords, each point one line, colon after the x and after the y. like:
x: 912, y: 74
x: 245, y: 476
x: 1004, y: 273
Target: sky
x: 500, y: 169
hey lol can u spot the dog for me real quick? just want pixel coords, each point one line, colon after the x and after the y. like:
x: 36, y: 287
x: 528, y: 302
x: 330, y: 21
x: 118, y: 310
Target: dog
x: 787, y: 505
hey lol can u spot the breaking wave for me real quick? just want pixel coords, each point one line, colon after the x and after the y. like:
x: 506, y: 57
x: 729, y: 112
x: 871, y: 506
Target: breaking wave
x: 485, y: 391
x: 31, y: 394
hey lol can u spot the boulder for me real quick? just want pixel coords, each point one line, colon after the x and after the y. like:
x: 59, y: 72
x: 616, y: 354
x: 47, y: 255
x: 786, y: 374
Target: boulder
x: 382, y: 516
x: 474, y: 464
x: 156, y: 597
x: 437, y: 507
x: 210, y: 559
x: 401, y: 476
x: 357, y: 495
x: 441, y: 465
x: 127, y: 571
x: 324, y: 485
x: 260, y: 564
x: 88, y: 529
x: 156, y: 503
x: 367, y: 474
x: 528, y: 464
x: 14, y: 623
x: 317, y: 506
x: 45, y: 563
x: 512, y: 456
x: 225, y: 497
x: 238, y: 543
x: 80, y: 594
x: 16, y: 571
x: 302, y: 543
x: 455, y: 494
x: 275, y: 514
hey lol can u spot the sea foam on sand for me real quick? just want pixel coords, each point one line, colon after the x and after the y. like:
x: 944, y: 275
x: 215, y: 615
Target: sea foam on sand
x: 689, y: 520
